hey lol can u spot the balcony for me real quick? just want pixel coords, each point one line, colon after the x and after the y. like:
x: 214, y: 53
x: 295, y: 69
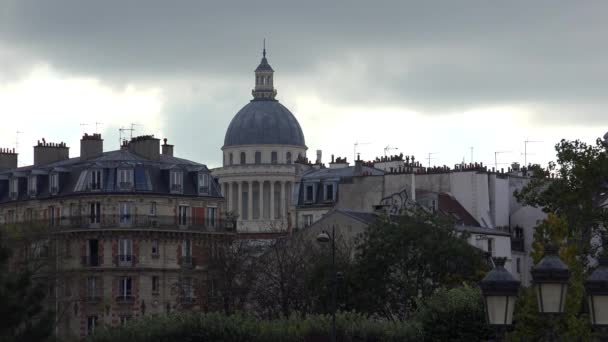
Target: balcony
x: 125, y: 260
x: 186, y: 262
x: 186, y: 300
x: 125, y: 299
x: 117, y: 221
x: 91, y: 261
x: 176, y: 188
x: 517, y: 244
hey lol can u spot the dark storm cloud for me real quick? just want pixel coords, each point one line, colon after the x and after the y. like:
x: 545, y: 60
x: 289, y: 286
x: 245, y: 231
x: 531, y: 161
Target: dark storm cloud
x: 434, y: 56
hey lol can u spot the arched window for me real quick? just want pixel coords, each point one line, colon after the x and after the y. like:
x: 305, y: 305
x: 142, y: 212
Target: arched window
x: 231, y: 159
x: 288, y: 158
x: 243, y: 158
x: 258, y: 157
x: 273, y: 157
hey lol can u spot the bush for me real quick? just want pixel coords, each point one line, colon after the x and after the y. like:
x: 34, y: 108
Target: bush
x: 199, y: 327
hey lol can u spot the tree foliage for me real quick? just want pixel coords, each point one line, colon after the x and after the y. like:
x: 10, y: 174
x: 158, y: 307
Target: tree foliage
x: 402, y: 262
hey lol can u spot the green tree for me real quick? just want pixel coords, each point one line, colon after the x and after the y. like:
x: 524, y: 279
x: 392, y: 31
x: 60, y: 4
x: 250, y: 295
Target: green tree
x: 399, y: 263
x: 24, y: 317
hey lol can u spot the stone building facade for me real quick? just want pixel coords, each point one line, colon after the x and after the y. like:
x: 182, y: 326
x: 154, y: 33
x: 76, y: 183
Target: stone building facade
x: 119, y: 234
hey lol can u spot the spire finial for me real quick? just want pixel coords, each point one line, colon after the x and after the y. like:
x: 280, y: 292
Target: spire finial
x: 264, y: 49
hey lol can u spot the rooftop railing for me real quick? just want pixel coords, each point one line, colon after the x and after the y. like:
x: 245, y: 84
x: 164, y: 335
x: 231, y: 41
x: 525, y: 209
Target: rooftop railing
x: 122, y: 221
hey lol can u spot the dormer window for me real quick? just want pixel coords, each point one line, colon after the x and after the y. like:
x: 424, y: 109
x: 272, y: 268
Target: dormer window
x: 54, y: 183
x: 14, y: 188
x: 95, y: 180
x: 177, y: 181
x: 32, y: 187
x: 309, y: 194
x: 203, y: 183
x: 125, y: 178
x: 329, y: 193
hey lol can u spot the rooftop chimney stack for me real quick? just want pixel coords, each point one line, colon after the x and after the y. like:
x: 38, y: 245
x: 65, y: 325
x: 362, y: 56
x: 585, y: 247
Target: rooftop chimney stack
x: 48, y: 152
x: 8, y: 159
x: 91, y: 146
x: 358, y: 166
x: 167, y: 149
x: 319, y: 156
x: 146, y: 146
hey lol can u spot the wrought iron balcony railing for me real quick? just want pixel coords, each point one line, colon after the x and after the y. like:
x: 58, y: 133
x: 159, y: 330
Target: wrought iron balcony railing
x: 125, y: 260
x: 91, y: 260
x: 186, y: 262
x: 94, y: 295
x: 125, y: 299
x: 118, y: 221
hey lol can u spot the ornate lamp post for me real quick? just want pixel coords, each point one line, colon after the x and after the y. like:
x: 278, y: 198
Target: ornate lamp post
x: 550, y: 278
x: 324, y: 237
x: 499, y: 290
x: 596, y: 288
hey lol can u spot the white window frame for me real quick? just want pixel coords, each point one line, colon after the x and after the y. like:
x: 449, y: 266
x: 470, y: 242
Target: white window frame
x: 125, y: 178
x: 327, y: 193
x: 125, y: 287
x: 14, y: 187
x: 32, y: 185
x: 94, y: 213
x: 54, y: 183
x: 203, y: 182
x: 125, y: 251
x: 306, y: 199
x: 183, y: 215
x: 308, y: 219
x: 153, y: 209
x: 177, y: 180
x: 95, y: 180
x: 91, y: 324
x: 125, y: 210
x: 155, y: 248
x: 187, y: 248
x: 93, y: 286
x: 211, y: 217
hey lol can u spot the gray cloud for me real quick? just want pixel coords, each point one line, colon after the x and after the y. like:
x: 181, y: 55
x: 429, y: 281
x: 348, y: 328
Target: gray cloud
x: 436, y: 57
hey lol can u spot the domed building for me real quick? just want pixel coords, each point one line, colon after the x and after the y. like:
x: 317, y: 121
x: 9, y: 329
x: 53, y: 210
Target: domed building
x: 262, y: 144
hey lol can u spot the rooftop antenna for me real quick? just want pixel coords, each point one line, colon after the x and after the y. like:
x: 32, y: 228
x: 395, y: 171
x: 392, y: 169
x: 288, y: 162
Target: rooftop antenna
x: 429, y: 157
x: 471, y: 155
x: 97, y: 125
x: 496, y: 157
x: 82, y: 126
x: 355, y: 145
x: 17, y: 140
x: 526, y: 149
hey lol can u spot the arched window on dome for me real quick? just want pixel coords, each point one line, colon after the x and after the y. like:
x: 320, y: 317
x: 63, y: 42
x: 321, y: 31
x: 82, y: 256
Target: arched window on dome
x: 243, y: 158
x: 274, y: 157
x: 258, y: 157
x: 231, y: 159
x: 288, y: 158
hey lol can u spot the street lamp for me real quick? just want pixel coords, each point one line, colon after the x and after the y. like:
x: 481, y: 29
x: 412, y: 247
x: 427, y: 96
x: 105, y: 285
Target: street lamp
x: 499, y: 290
x: 550, y: 278
x: 324, y: 237
x: 596, y: 287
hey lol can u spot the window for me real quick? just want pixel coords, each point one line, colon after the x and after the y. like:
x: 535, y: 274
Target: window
x: 329, y: 192
x: 203, y: 182
x: 10, y: 216
x: 155, y: 287
x: 273, y: 157
x: 177, y: 178
x: 309, y: 193
x: 518, y: 265
x: 231, y: 159
x: 29, y: 214
x: 211, y: 217
x: 125, y: 178
x: 288, y: 158
x: 14, y: 187
x: 125, y: 212
x: 124, y: 319
x: 91, y: 324
x: 258, y: 157
x: 152, y: 211
x: 32, y: 185
x: 93, y: 288
x: 243, y: 158
x: 125, y: 251
x: 155, y: 251
x: 187, y: 289
x: 93, y: 253
x: 187, y: 248
x: 95, y: 212
x: 54, y: 183
x: 490, y: 247
x: 519, y: 232
x: 307, y: 220
x: 53, y: 216
x: 125, y: 289
x: 182, y: 218
x: 95, y: 180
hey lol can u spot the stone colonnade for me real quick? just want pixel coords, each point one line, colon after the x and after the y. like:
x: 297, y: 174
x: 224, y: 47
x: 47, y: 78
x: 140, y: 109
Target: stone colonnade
x: 258, y: 200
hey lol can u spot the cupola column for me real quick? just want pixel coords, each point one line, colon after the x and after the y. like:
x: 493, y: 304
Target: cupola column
x: 250, y: 201
x: 261, y: 199
x: 272, y: 203
x: 283, y: 201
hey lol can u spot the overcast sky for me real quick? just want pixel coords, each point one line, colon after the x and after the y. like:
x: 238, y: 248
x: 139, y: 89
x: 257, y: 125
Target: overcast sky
x: 424, y: 77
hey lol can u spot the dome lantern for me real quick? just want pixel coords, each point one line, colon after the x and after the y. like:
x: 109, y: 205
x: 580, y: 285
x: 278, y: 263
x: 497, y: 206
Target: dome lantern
x: 264, y: 85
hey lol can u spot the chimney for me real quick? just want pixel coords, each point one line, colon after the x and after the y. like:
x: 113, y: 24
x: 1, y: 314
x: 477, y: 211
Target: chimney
x: 46, y: 153
x: 338, y: 163
x: 91, y: 146
x: 515, y: 167
x: 8, y: 159
x: 167, y: 149
x: 146, y: 146
x: 358, y: 166
x: 319, y: 155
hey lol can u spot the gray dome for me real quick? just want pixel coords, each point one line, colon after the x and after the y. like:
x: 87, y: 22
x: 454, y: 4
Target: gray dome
x: 263, y: 122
